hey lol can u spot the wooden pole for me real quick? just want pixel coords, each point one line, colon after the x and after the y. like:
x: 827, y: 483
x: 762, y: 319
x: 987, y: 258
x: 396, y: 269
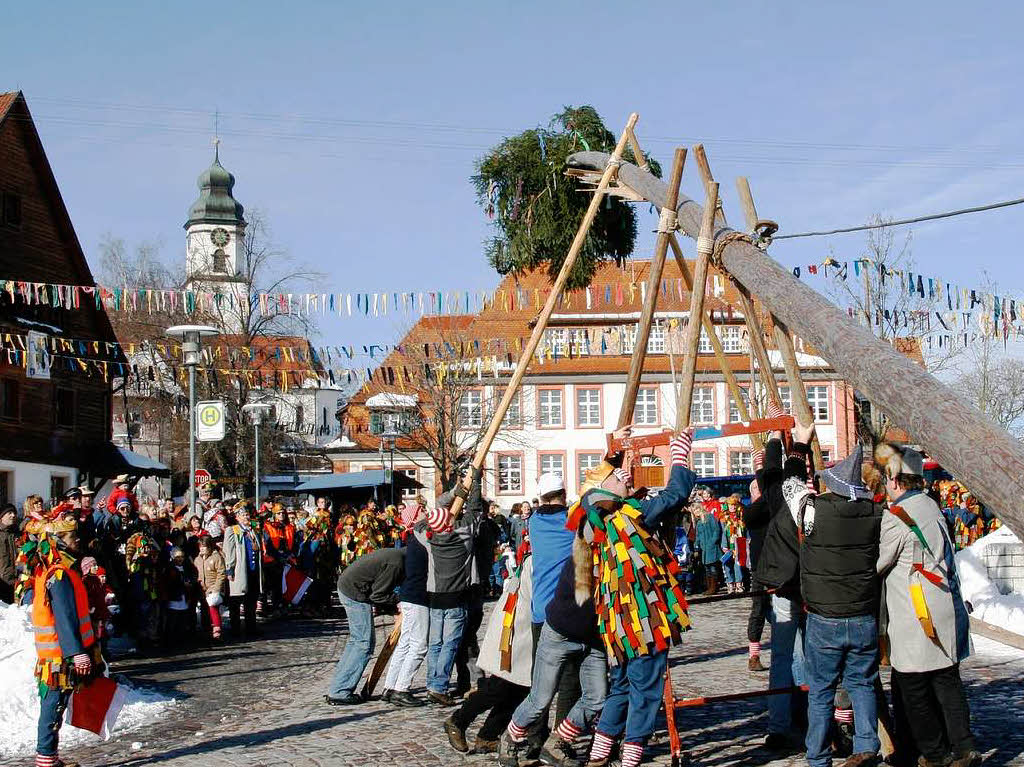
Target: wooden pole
x: 784, y: 341
x: 716, y: 346
x: 704, y: 168
x: 691, y: 342
x: 638, y: 153
x: 972, y: 447
x: 643, y: 331
x: 610, y: 169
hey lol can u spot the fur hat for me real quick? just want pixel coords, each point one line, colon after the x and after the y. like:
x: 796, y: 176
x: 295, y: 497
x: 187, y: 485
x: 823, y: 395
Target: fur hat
x: 894, y: 460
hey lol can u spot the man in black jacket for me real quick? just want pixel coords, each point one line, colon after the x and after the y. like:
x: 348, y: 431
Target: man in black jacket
x: 370, y: 580
x: 839, y: 540
x: 777, y: 564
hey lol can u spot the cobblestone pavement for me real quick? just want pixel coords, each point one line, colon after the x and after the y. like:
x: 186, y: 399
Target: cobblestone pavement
x: 261, y: 703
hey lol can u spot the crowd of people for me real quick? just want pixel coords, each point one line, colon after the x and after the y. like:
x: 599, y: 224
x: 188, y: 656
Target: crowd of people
x: 851, y: 568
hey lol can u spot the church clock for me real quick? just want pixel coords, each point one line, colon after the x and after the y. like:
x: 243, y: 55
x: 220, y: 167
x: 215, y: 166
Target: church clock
x: 220, y: 237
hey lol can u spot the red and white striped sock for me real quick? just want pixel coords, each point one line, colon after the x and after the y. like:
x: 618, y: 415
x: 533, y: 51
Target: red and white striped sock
x: 46, y: 760
x: 754, y: 649
x: 844, y: 715
x: 516, y: 733
x: 568, y: 731
x: 758, y: 459
x: 679, y: 448
x: 602, y: 747
x: 632, y: 753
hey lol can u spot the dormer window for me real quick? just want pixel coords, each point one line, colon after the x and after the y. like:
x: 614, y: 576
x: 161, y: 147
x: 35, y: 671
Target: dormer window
x: 391, y: 414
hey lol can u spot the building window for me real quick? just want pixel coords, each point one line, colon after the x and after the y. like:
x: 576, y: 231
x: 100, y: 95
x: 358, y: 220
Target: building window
x: 549, y: 408
x: 740, y: 462
x: 704, y: 347
x: 409, y: 492
x: 584, y: 463
x: 11, y: 213
x: 510, y: 473
x: 702, y: 407
x: 300, y: 417
x: 557, y: 340
x: 734, y: 411
x: 732, y: 339
x: 703, y: 463
x: 471, y: 411
x: 65, y: 408
x: 58, y: 486
x: 588, y: 407
x: 787, y: 399
x: 645, y: 411
x: 817, y: 398
x: 220, y: 261
x: 514, y: 415
x: 553, y: 463
x: 656, y: 340
x: 388, y: 422
x: 5, y: 487
x: 579, y: 342
x: 10, y: 399
x: 826, y: 455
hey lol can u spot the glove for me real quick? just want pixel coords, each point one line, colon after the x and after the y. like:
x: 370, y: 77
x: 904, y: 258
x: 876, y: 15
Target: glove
x: 679, y: 447
x: 775, y: 411
x: 758, y: 459
x: 83, y: 664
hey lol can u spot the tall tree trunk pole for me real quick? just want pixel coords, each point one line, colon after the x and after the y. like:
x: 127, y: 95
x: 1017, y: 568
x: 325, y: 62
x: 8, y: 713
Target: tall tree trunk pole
x: 716, y: 347
x: 666, y: 226
x: 611, y: 165
x: 784, y: 341
x: 691, y: 342
x: 971, y: 446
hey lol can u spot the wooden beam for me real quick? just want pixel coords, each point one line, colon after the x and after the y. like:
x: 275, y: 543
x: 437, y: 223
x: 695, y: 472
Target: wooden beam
x: 611, y: 167
x: 784, y: 341
x: 976, y: 450
x: 691, y: 342
x: 643, y: 330
x: 716, y: 347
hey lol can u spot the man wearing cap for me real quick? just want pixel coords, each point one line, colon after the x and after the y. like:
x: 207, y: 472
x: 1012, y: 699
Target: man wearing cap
x: 450, y: 575
x: 928, y: 629
x: 67, y: 650
x: 8, y: 551
x: 839, y: 534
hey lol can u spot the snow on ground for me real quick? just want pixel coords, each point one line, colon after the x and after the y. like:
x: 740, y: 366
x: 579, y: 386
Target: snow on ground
x: 1003, y: 610
x: 19, y: 702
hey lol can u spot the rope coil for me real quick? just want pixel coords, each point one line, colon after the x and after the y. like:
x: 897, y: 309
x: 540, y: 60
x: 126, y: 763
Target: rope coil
x: 720, y: 243
x: 667, y: 221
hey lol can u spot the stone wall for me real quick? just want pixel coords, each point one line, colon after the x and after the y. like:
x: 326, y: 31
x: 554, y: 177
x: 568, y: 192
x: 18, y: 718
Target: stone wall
x: 1005, y: 565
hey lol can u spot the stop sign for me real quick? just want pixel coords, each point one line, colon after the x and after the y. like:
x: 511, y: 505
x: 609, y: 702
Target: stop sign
x: 202, y: 477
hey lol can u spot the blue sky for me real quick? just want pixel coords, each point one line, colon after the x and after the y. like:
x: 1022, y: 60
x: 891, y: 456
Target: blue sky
x: 354, y: 126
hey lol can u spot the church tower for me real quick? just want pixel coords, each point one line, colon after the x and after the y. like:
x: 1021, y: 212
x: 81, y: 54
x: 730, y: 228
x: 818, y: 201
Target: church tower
x: 214, y: 246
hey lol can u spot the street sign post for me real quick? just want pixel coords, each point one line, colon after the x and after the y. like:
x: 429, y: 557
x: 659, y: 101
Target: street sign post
x: 210, y: 421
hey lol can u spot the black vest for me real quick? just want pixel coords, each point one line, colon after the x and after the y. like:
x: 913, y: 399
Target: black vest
x: 837, y: 560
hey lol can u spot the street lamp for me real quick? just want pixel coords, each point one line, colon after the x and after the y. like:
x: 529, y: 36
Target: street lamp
x: 191, y: 337
x: 387, y: 441
x: 257, y: 410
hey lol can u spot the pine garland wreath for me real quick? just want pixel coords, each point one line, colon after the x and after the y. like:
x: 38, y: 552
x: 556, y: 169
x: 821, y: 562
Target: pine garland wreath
x: 522, y: 188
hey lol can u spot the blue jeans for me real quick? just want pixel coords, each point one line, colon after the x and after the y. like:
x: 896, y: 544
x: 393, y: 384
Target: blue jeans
x: 51, y: 716
x: 636, y: 693
x: 553, y: 652
x: 496, y: 581
x: 840, y: 649
x: 358, y: 649
x: 787, y: 666
x: 445, y: 634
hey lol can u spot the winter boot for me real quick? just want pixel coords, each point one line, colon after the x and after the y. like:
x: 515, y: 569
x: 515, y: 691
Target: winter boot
x: 456, y: 735
x: 511, y: 753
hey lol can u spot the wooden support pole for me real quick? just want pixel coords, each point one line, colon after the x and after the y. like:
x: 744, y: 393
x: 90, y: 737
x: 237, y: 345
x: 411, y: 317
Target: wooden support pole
x: 716, y: 346
x: 948, y: 428
x: 611, y: 167
x: 704, y: 169
x: 638, y: 153
x: 643, y: 331
x: 784, y: 341
x: 691, y: 342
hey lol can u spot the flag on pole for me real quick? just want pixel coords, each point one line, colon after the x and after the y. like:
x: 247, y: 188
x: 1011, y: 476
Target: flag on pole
x: 294, y: 584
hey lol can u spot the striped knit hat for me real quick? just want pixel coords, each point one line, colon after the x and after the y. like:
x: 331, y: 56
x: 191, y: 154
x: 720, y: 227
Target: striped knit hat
x: 439, y: 521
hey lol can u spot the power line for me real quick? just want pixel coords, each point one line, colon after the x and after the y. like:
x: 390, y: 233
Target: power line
x: 902, y: 222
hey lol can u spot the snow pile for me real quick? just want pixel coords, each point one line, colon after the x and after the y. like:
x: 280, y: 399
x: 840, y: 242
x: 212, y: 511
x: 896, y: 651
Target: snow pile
x: 19, y: 702
x: 1003, y: 610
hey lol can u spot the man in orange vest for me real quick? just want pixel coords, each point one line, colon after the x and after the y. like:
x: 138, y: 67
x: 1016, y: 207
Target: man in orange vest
x: 279, y: 548
x: 67, y: 650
